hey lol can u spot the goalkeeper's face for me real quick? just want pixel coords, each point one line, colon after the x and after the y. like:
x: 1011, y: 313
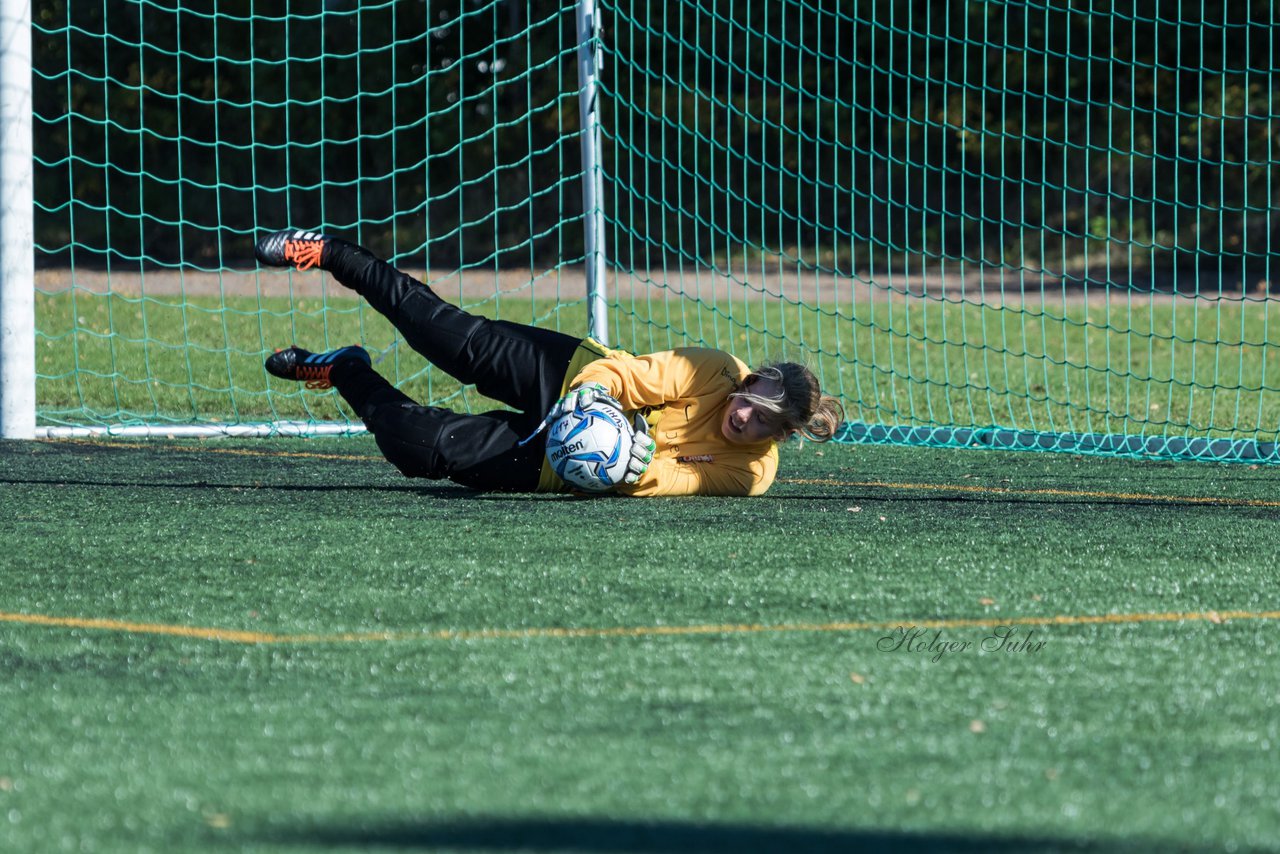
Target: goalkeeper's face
x: 746, y: 422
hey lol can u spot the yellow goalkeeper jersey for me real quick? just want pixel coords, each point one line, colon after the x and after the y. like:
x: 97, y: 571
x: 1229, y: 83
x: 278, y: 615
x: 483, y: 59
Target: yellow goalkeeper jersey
x: 682, y: 393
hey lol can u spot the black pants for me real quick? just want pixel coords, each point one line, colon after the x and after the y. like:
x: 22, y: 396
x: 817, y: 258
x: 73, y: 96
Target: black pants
x: 521, y: 366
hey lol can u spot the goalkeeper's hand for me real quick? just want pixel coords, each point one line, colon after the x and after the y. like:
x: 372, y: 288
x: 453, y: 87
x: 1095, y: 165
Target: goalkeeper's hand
x: 583, y: 395
x: 642, y: 448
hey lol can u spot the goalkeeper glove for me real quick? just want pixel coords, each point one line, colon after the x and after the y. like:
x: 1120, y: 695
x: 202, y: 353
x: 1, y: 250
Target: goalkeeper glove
x: 642, y: 448
x: 583, y: 395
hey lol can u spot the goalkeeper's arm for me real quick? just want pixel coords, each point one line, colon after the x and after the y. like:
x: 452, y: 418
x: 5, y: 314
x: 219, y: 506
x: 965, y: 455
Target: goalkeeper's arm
x: 729, y: 477
x: 656, y: 379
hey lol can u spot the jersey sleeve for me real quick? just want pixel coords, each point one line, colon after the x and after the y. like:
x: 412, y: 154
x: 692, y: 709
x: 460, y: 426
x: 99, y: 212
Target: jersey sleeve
x: 658, y: 378
x: 729, y: 477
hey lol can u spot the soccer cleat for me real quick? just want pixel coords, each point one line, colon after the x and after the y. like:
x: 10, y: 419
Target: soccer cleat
x: 301, y: 249
x: 294, y: 363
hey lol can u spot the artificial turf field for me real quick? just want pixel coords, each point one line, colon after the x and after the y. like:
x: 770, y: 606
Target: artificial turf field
x: 281, y: 645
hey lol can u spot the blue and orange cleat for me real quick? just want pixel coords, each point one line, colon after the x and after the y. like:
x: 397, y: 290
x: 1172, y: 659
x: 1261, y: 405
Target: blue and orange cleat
x: 294, y: 363
x: 299, y: 249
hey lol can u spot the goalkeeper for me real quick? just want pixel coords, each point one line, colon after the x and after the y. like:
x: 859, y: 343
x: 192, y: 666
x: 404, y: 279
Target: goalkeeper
x: 708, y: 425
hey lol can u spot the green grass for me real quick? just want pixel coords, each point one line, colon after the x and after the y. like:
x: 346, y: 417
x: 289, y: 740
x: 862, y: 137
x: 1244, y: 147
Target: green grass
x: 1158, y: 735
x: 113, y: 359
x: 1165, y: 367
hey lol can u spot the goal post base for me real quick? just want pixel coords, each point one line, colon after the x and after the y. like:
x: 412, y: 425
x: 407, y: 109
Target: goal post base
x: 287, y: 429
x: 1110, y: 444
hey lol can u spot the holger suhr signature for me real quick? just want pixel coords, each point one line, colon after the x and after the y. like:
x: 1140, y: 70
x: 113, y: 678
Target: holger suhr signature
x: 931, y: 642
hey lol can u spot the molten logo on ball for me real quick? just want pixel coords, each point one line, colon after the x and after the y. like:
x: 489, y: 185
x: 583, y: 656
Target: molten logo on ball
x: 589, y: 447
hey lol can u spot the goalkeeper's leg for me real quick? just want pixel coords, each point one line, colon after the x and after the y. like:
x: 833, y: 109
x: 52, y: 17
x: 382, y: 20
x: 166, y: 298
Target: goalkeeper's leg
x: 522, y: 366
x: 478, y: 451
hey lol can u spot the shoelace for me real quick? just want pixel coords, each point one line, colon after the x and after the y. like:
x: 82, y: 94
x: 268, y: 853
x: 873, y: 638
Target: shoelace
x: 316, y: 376
x: 304, y: 253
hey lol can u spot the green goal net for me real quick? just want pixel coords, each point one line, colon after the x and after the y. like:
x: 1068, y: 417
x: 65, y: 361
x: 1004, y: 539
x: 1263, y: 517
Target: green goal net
x: 169, y: 135
x: 1025, y: 225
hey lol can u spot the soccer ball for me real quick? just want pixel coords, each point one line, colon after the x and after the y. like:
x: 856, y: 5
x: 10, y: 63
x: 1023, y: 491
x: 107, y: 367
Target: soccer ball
x: 589, y: 447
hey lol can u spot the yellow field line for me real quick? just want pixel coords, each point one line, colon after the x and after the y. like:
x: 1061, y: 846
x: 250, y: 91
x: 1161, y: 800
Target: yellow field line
x: 246, y: 452
x: 249, y: 637
x: 1058, y: 493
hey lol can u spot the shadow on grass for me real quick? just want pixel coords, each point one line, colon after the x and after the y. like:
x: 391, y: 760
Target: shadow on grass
x: 455, y: 492
x: 588, y: 834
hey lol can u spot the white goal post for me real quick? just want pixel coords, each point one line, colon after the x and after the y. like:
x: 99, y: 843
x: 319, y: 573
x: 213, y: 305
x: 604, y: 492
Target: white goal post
x: 17, y: 249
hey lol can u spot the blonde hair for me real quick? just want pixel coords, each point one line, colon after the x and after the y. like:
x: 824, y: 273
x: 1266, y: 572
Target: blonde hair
x: 799, y: 404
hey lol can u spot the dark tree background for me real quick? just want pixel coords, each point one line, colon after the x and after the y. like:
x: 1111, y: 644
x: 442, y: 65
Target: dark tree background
x: 1108, y: 140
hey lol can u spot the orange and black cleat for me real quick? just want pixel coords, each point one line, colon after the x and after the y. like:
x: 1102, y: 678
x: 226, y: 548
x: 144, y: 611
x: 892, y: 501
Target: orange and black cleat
x: 300, y: 365
x: 300, y: 249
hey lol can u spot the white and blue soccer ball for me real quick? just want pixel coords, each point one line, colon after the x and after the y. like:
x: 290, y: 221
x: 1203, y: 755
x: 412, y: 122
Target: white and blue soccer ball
x: 589, y: 447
